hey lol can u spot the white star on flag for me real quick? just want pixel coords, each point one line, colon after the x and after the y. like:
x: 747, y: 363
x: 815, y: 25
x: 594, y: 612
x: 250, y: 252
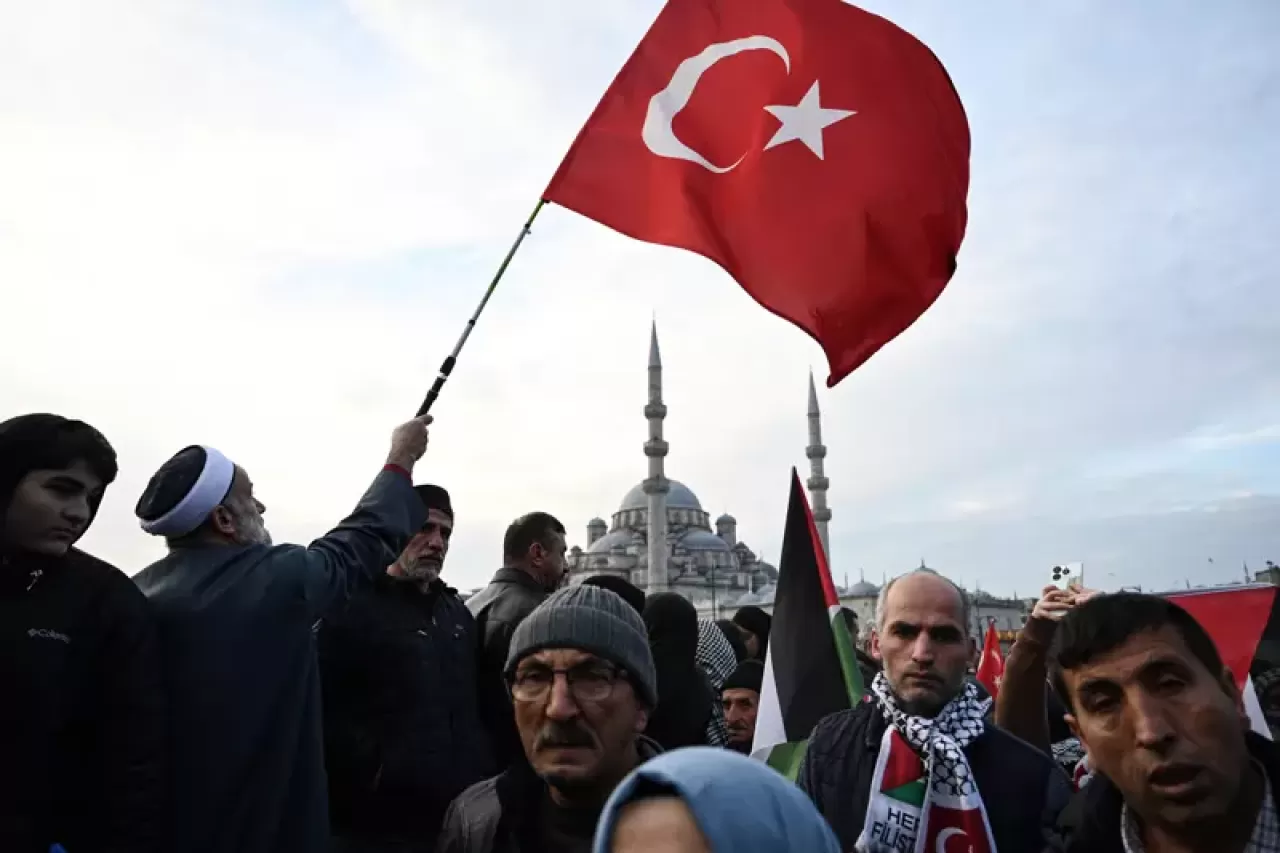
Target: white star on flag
x: 805, y: 121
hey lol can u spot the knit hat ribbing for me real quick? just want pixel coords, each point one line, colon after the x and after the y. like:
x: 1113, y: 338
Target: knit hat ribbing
x: 591, y: 619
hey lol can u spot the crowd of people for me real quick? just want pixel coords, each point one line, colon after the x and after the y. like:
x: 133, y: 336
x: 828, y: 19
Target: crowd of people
x: 239, y: 696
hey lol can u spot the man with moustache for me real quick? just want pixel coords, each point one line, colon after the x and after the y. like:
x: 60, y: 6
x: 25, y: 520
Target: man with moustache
x: 401, y: 716
x: 1176, y: 765
x: 920, y: 765
x: 583, y: 683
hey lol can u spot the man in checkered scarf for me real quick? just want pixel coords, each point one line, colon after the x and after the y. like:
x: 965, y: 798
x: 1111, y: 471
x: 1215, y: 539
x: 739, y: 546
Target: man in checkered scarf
x: 919, y: 765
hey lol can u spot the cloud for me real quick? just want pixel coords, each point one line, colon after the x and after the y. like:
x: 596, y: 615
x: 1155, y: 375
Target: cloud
x: 263, y: 225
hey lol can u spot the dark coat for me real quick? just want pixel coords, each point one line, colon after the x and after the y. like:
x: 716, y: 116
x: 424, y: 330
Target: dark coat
x: 500, y: 815
x: 82, y: 709
x: 247, y: 749
x: 1022, y: 789
x: 498, y: 609
x: 1091, y: 822
x: 401, y: 716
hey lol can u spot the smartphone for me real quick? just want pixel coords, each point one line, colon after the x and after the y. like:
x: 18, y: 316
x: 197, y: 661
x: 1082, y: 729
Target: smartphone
x: 1064, y: 574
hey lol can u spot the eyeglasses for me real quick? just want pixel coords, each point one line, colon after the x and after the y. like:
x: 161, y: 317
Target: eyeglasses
x: 592, y: 682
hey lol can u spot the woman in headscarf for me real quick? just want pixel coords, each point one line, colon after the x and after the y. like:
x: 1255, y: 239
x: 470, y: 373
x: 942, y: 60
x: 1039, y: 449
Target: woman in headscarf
x: 733, y: 634
x: 710, y: 801
x: 685, y: 700
x: 755, y: 625
x: 82, y: 727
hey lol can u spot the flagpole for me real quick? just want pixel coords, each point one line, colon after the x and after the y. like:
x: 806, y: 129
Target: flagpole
x: 446, y: 367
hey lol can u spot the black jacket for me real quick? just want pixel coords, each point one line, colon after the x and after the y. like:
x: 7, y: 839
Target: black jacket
x: 1091, y: 822
x: 498, y: 609
x: 401, y: 725
x: 1022, y: 789
x: 236, y: 626
x: 500, y: 815
x: 82, y: 709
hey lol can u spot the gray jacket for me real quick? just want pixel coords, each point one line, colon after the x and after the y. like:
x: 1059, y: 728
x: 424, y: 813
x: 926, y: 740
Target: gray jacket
x: 239, y: 659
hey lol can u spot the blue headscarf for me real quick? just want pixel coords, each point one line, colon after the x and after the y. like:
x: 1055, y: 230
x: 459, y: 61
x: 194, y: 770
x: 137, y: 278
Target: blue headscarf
x: 741, y: 804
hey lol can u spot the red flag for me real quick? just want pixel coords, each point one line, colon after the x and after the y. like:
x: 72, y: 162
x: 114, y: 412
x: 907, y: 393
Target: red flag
x: 1234, y: 618
x: 815, y: 151
x: 991, y: 666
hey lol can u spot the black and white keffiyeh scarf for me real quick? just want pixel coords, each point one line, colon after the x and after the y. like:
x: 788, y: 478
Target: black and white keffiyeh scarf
x: 923, y: 792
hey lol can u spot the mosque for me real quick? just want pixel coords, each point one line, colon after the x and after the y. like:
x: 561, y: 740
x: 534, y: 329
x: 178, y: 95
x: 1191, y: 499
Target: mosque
x: 660, y: 538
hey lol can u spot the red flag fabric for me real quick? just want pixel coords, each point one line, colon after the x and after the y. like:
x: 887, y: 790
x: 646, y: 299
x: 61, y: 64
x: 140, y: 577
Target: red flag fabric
x: 991, y: 665
x: 1234, y: 618
x: 816, y: 152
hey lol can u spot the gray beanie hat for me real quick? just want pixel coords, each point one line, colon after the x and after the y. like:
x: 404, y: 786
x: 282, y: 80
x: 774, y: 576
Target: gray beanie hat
x: 591, y: 619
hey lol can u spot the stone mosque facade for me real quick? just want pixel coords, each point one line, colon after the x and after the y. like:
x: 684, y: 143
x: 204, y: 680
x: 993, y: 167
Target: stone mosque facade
x: 660, y: 538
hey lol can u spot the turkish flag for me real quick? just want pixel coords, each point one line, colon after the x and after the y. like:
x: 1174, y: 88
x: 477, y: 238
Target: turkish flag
x: 991, y: 666
x: 816, y: 152
x: 956, y: 830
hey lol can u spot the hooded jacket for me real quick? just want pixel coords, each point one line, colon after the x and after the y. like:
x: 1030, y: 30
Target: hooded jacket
x: 741, y: 805
x: 82, y: 709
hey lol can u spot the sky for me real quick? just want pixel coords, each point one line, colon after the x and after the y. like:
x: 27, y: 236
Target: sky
x: 261, y: 226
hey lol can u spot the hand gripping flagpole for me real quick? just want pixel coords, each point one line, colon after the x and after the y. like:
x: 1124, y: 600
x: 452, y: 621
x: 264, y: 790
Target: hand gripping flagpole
x: 446, y: 368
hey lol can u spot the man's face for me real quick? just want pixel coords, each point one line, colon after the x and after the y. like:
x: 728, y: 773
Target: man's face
x: 752, y: 644
x: 423, y: 557
x: 740, y: 705
x: 240, y: 516
x: 51, y: 509
x: 923, y: 643
x: 583, y: 741
x: 1167, y: 731
x: 548, y: 559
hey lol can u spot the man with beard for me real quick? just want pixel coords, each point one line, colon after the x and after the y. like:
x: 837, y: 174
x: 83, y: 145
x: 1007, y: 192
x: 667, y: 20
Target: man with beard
x: 81, y: 702
x: 235, y: 617
x: 401, y: 718
x: 919, y: 764
x: 583, y: 682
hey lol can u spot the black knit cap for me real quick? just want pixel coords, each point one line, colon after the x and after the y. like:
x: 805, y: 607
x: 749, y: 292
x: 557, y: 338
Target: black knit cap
x: 748, y: 676
x: 434, y: 497
x: 42, y: 441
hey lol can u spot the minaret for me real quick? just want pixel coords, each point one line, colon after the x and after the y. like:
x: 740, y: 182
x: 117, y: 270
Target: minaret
x: 818, y: 482
x: 655, y: 486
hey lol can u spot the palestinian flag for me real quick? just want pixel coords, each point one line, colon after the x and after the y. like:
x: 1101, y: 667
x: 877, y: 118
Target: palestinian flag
x: 1244, y: 623
x: 810, y: 670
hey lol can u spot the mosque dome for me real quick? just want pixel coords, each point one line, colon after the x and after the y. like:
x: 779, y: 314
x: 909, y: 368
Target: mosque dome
x: 702, y: 540
x: 726, y: 519
x: 864, y: 588
x: 615, y: 539
x: 679, y: 496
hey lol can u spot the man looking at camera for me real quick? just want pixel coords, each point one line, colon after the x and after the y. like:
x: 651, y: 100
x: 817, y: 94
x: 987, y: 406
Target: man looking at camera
x: 583, y: 683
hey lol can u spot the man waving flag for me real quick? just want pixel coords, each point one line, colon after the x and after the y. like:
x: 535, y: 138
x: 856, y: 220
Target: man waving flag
x: 815, y: 151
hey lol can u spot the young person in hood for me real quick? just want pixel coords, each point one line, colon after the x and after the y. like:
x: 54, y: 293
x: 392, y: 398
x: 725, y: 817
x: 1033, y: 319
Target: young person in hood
x: 82, y: 728
x: 236, y: 618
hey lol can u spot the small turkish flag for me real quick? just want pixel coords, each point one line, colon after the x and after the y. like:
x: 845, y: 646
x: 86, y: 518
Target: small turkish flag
x: 815, y: 151
x: 991, y: 666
